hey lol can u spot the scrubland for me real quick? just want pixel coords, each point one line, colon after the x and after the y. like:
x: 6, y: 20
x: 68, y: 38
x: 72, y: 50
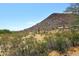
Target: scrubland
x: 42, y: 43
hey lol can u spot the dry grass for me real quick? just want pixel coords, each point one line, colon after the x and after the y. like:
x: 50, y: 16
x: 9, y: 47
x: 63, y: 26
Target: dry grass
x: 39, y: 37
x: 40, y: 43
x: 73, y: 51
x: 54, y: 53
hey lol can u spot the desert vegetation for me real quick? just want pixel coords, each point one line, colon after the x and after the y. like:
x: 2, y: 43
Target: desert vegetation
x: 4, y: 31
x: 57, y: 35
x: 29, y: 45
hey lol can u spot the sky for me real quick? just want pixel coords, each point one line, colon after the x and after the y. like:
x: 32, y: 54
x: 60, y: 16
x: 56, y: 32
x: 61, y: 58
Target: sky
x: 20, y: 16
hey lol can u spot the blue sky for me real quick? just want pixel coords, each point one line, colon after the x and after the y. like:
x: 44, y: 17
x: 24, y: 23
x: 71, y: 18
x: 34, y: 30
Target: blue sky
x: 20, y: 16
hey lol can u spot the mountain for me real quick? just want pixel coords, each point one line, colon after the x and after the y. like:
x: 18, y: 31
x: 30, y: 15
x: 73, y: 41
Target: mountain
x: 54, y: 21
x: 46, y: 43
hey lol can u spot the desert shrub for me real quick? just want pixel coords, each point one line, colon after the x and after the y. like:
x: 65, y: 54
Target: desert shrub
x: 29, y: 46
x: 75, y: 38
x: 58, y: 42
x: 62, y: 44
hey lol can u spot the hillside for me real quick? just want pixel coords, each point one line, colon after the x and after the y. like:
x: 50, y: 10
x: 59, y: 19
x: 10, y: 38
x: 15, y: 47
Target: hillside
x: 48, y: 40
x: 54, y: 21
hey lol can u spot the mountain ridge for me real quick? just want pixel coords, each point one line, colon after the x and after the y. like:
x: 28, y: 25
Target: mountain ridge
x: 54, y: 21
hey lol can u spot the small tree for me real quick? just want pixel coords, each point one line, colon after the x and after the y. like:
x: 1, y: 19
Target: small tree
x: 74, y: 8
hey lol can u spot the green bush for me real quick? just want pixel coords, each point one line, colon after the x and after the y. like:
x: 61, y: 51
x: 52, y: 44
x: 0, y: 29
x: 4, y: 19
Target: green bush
x: 4, y: 31
x: 59, y: 43
x: 75, y: 38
